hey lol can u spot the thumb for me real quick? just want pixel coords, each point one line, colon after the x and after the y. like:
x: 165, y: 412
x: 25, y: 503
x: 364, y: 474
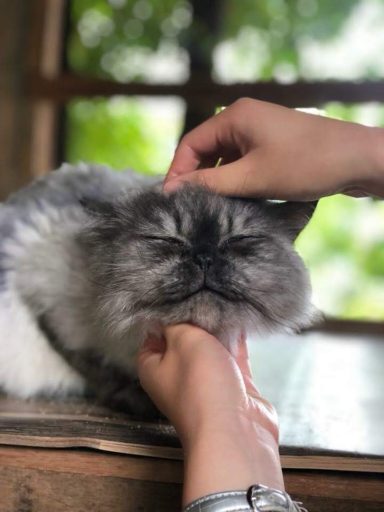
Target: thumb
x: 228, y: 179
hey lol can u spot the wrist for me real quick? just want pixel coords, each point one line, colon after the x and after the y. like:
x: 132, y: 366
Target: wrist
x: 229, y: 424
x: 229, y: 456
x: 369, y: 157
x: 378, y: 161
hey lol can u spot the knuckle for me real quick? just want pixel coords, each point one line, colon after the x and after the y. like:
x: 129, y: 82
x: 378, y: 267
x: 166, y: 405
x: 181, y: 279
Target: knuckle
x: 184, y: 141
x: 243, y: 103
x: 202, y: 179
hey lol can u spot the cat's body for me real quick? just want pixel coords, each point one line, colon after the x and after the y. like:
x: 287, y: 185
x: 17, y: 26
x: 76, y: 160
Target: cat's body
x: 92, y: 260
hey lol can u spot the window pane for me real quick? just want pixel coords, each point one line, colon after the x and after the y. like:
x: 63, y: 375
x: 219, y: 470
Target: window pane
x: 129, y: 40
x: 311, y: 39
x: 344, y: 249
x: 343, y: 245
x: 137, y: 133
x: 144, y: 40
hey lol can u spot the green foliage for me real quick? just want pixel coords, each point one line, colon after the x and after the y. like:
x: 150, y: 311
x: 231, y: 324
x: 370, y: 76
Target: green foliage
x: 288, y: 20
x: 122, y: 133
x: 344, y: 243
x: 284, y: 25
x: 102, y: 32
x: 343, y: 247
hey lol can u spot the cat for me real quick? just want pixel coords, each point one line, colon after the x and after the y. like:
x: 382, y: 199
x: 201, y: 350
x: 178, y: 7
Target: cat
x: 92, y: 261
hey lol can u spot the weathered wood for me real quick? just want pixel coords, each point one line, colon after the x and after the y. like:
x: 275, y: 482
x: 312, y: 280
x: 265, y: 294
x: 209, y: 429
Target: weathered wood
x: 30, y: 45
x: 45, y: 59
x: 73, y: 481
x: 46, y: 491
x: 80, y: 424
x: 93, y: 463
x: 207, y: 17
x: 299, y: 94
x: 341, y: 326
x: 336, y: 485
x: 15, y: 128
x: 79, y: 481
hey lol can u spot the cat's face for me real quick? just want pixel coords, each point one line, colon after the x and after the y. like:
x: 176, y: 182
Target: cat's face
x: 193, y: 256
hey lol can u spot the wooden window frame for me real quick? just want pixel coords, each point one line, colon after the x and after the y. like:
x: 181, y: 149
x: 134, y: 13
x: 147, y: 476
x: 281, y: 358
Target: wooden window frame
x: 49, y: 87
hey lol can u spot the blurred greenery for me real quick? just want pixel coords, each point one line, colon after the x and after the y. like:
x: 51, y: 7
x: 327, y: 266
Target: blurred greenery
x: 276, y: 29
x: 310, y: 39
x: 143, y: 40
x: 122, y: 39
x: 343, y: 247
x: 137, y: 133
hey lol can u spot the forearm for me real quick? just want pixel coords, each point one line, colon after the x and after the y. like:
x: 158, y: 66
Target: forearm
x: 230, y: 456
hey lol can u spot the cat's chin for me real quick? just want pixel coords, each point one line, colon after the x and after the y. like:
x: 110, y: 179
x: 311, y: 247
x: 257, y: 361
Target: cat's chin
x: 208, y: 310
x: 227, y: 321
x: 217, y: 315
x: 207, y: 294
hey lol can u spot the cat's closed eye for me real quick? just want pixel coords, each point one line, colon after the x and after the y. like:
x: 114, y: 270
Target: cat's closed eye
x: 233, y: 240
x: 165, y: 239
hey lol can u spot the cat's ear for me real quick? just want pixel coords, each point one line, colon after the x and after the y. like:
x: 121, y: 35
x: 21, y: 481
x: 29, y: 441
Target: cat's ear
x: 100, y: 209
x: 292, y: 216
x: 105, y: 221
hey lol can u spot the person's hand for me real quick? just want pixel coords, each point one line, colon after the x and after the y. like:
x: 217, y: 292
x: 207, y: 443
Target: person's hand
x: 192, y: 378
x: 228, y: 431
x: 278, y: 153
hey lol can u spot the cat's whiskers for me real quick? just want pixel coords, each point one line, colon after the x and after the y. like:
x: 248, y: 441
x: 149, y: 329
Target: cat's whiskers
x: 255, y: 304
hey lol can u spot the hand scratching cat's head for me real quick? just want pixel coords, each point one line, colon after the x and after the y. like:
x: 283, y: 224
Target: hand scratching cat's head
x: 222, y: 263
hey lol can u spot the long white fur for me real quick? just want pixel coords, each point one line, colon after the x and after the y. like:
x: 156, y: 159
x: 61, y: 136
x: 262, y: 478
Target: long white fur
x: 29, y: 366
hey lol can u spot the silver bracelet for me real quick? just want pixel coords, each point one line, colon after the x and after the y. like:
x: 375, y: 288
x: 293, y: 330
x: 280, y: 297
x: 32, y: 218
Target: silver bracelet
x: 258, y: 498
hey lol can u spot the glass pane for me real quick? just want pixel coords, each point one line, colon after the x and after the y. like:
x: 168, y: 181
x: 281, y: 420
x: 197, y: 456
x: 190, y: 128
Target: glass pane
x: 290, y: 39
x: 343, y: 245
x: 344, y: 249
x: 129, y: 40
x: 144, y: 40
x: 137, y: 133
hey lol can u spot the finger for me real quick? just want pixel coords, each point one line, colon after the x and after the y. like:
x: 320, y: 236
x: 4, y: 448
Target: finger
x: 210, y: 138
x: 184, y: 160
x: 181, y: 335
x: 229, y: 179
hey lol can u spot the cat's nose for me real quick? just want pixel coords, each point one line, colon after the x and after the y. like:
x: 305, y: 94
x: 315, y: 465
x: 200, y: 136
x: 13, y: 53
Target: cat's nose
x: 204, y: 260
x: 203, y: 257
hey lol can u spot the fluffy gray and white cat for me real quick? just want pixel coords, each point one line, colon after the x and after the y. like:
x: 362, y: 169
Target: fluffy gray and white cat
x: 92, y: 260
